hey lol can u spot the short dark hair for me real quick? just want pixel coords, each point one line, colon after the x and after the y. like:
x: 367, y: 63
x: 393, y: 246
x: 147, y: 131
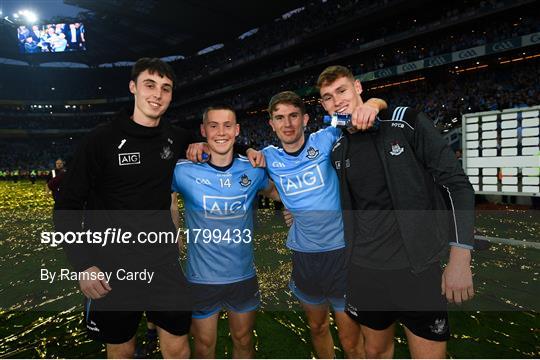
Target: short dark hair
x: 217, y: 107
x: 153, y: 65
x: 332, y: 73
x: 286, y: 97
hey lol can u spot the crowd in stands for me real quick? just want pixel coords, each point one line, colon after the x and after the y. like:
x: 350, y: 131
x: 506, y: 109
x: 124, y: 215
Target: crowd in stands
x: 478, y: 33
x: 510, y: 86
x: 505, y: 86
x: 319, y: 16
x: 316, y: 18
x: 47, y: 122
x: 516, y: 86
x: 34, y: 154
x: 443, y: 101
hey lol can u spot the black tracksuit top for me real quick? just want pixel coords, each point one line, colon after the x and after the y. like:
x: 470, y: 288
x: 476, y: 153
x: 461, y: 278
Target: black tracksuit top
x: 121, y: 177
x: 432, y: 197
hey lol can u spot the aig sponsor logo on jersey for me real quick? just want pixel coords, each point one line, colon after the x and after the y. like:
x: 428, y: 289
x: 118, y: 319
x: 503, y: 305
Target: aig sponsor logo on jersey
x: 308, y: 179
x: 224, y: 207
x: 129, y: 159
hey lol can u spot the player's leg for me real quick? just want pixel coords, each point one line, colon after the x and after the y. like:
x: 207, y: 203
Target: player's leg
x: 242, y: 299
x: 173, y: 346
x: 117, y: 329
x: 173, y: 328
x: 379, y: 344
x: 427, y: 333
x: 307, y: 284
x: 204, y: 332
x: 426, y: 325
x: 241, y: 326
x: 207, y: 304
x: 318, y: 318
x: 350, y: 336
x: 421, y: 348
x: 121, y: 351
x: 168, y: 301
x: 369, y: 303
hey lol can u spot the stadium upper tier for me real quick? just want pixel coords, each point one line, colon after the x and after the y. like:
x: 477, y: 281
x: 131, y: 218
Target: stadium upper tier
x: 341, y: 33
x: 32, y: 138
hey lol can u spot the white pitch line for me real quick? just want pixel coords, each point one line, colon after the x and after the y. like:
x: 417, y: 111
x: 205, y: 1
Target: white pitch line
x: 527, y: 244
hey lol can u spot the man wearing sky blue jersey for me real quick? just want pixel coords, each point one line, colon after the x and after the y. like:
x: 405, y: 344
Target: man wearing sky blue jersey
x: 309, y: 188
x: 218, y: 197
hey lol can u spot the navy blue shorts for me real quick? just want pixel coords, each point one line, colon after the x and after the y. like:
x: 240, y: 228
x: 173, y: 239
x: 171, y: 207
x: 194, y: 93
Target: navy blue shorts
x: 320, y: 278
x: 240, y: 297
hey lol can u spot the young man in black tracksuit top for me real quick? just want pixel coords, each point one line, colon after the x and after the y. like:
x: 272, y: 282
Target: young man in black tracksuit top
x: 121, y: 176
x: 405, y: 198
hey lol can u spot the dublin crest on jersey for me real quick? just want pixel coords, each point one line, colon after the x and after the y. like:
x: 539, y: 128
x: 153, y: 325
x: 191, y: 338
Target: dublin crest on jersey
x: 312, y: 153
x: 245, y: 181
x: 439, y: 327
x: 166, y: 153
x: 396, y: 149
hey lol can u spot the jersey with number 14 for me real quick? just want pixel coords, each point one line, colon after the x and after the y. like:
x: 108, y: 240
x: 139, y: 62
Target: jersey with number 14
x: 309, y: 188
x: 219, y: 219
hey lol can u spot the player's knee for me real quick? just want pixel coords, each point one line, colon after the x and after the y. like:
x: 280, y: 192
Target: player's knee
x: 319, y: 328
x: 377, y: 350
x: 242, y: 338
x: 176, y: 353
x: 205, y: 345
x: 176, y: 350
x: 121, y: 351
x: 349, y: 343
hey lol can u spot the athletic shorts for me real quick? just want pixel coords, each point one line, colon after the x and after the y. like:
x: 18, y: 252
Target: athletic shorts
x: 114, y: 319
x: 379, y: 298
x: 240, y: 297
x: 320, y: 278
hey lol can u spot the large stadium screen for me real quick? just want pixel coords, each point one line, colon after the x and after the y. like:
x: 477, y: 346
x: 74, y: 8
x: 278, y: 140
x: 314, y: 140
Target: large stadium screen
x: 501, y: 152
x: 51, y: 38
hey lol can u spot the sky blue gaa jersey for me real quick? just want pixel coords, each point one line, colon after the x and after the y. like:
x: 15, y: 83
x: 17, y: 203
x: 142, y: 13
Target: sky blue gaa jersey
x: 309, y: 188
x: 219, y: 219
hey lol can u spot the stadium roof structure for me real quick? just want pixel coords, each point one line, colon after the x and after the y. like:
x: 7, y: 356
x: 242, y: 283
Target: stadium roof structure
x: 125, y: 30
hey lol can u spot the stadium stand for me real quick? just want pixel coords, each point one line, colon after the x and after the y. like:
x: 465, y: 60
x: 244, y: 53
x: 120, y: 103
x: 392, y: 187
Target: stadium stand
x: 232, y: 74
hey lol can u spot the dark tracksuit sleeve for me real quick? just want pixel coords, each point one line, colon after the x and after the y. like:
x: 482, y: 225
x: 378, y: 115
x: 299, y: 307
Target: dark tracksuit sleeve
x: 441, y: 162
x: 240, y: 149
x: 186, y: 138
x: 193, y: 136
x: 81, y: 176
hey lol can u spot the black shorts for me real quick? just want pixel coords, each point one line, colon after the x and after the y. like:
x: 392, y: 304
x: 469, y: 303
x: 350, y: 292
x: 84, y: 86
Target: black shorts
x: 241, y: 296
x: 320, y: 278
x: 378, y: 298
x: 114, y: 319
